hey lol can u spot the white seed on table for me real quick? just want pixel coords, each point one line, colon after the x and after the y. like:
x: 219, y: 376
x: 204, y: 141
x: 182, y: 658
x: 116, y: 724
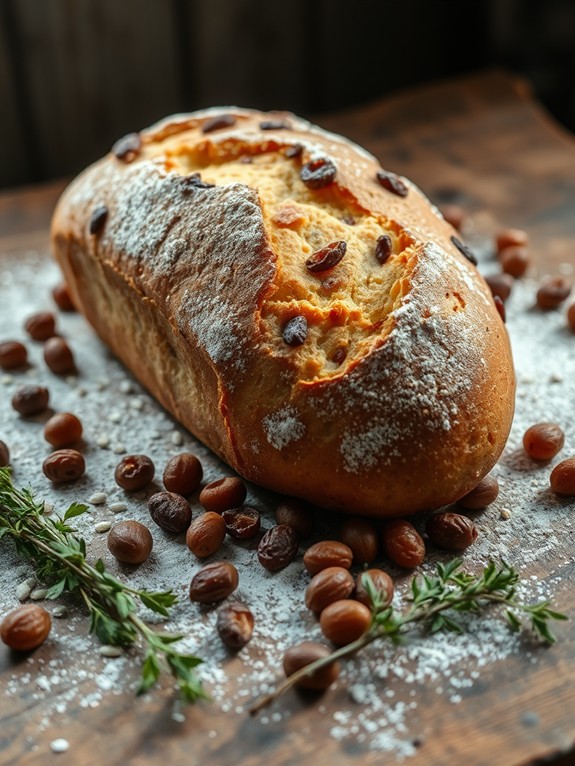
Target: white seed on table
x: 103, y: 526
x: 25, y: 588
x: 115, y: 416
x: 103, y: 441
x: 107, y: 650
x: 136, y: 404
x: 71, y: 380
x: 48, y: 507
x: 155, y: 435
x: 59, y: 745
x: 98, y: 498
x: 6, y: 380
x: 119, y: 449
x: 117, y: 507
x: 176, y: 438
x: 59, y: 611
x: 126, y: 387
x: 38, y: 594
x: 81, y: 391
x: 505, y: 514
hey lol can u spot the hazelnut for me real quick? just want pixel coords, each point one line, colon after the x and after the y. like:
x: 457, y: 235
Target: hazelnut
x: 41, y: 326
x: 380, y: 580
x: 403, y: 544
x: 58, y: 356
x: 235, y: 625
x: 170, y: 511
x: 451, y: 531
x: 297, y: 515
x: 331, y: 584
x: 361, y: 537
x: 183, y: 474
x: 484, y: 494
x: 223, y: 494
x: 302, y: 655
x: 13, y: 354
x: 25, y: 628
x: 64, y: 465
x: 327, y: 553
x: 4, y: 455
x: 30, y: 400
x: 277, y: 548
x: 63, y: 429
x: 130, y: 542
x: 62, y: 297
x: 214, y: 582
x: 206, y: 534
x: 134, y: 472
x: 344, y: 621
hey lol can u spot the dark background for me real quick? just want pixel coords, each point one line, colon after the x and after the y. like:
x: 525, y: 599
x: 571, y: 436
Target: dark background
x: 77, y: 74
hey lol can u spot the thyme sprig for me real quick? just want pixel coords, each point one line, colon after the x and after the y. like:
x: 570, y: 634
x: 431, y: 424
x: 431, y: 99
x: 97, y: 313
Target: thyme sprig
x: 435, y: 602
x: 59, y: 558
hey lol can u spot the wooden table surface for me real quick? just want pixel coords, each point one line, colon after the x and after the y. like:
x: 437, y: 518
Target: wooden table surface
x: 480, y: 142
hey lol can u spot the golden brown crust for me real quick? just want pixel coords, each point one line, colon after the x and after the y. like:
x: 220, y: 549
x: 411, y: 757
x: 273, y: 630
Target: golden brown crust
x: 401, y: 396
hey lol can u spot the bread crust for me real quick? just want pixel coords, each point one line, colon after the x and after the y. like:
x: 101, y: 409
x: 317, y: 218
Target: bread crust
x: 191, y: 286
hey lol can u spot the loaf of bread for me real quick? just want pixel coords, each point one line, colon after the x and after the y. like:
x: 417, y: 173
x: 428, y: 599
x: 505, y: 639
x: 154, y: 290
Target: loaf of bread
x: 307, y: 315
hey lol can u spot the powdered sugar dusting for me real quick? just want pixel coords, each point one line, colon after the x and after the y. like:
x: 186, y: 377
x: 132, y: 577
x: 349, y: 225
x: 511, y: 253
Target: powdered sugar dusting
x: 283, y: 427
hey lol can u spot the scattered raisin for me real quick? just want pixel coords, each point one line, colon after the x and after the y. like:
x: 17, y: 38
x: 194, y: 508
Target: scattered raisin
x: 128, y: 147
x: 235, y: 625
x: 170, y: 511
x: 275, y: 125
x: 543, y: 441
x: 64, y: 465
x: 62, y: 297
x: 327, y: 553
x: 214, y: 582
x: 464, y: 250
x: 297, y: 515
x: 41, y: 326
x: 302, y: 655
x: 484, y: 494
x: 382, y: 583
x: 331, y: 584
x: 392, y: 183
x: 500, y: 285
x: 243, y: 523
x: 403, y: 544
x: 562, y: 478
x: 361, y: 537
x: 183, y: 474
x: 206, y: 534
x: 326, y: 258
x: 318, y: 173
x: 98, y: 219
x: 13, y: 354
x: 134, y: 472
x: 451, y: 531
x: 553, y: 292
x: 31, y: 400
x: 130, y: 542
x: 63, y: 429
x: 58, y: 356
x: 294, y: 151
x: 344, y: 621
x: 294, y: 332
x: 514, y: 261
x: 194, y: 181
x: 218, y: 122
x: 383, y: 248
x: 277, y: 548
x: 222, y: 494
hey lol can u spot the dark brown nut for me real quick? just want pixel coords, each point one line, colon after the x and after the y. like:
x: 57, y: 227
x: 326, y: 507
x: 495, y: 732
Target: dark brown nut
x: 403, y: 544
x: 134, y: 472
x: 277, y: 548
x: 63, y: 429
x: 130, y: 542
x: 41, y: 326
x: 500, y: 285
x: 170, y: 511
x: 235, y: 625
x: 206, y: 534
x: 327, y: 553
x: 329, y: 585
x: 297, y: 515
x: 25, y: 628
x: 344, y: 621
x: 571, y: 317
x: 455, y: 215
x: 62, y: 297
x: 483, y: 495
x: 543, y: 441
x: 514, y: 261
x: 553, y: 292
x: 511, y: 238
x: 31, y: 400
x: 361, y: 536
x: 451, y: 531
x: 242, y: 523
x: 562, y: 478
x: 302, y: 655
x: 13, y: 354
x: 222, y: 494
x: 64, y: 465
x: 59, y: 357
x: 381, y: 581
x: 214, y: 582
x: 183, y: 474
x: 4, y: 455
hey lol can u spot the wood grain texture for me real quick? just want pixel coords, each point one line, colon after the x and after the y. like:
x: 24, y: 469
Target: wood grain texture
x: 482, y: 142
